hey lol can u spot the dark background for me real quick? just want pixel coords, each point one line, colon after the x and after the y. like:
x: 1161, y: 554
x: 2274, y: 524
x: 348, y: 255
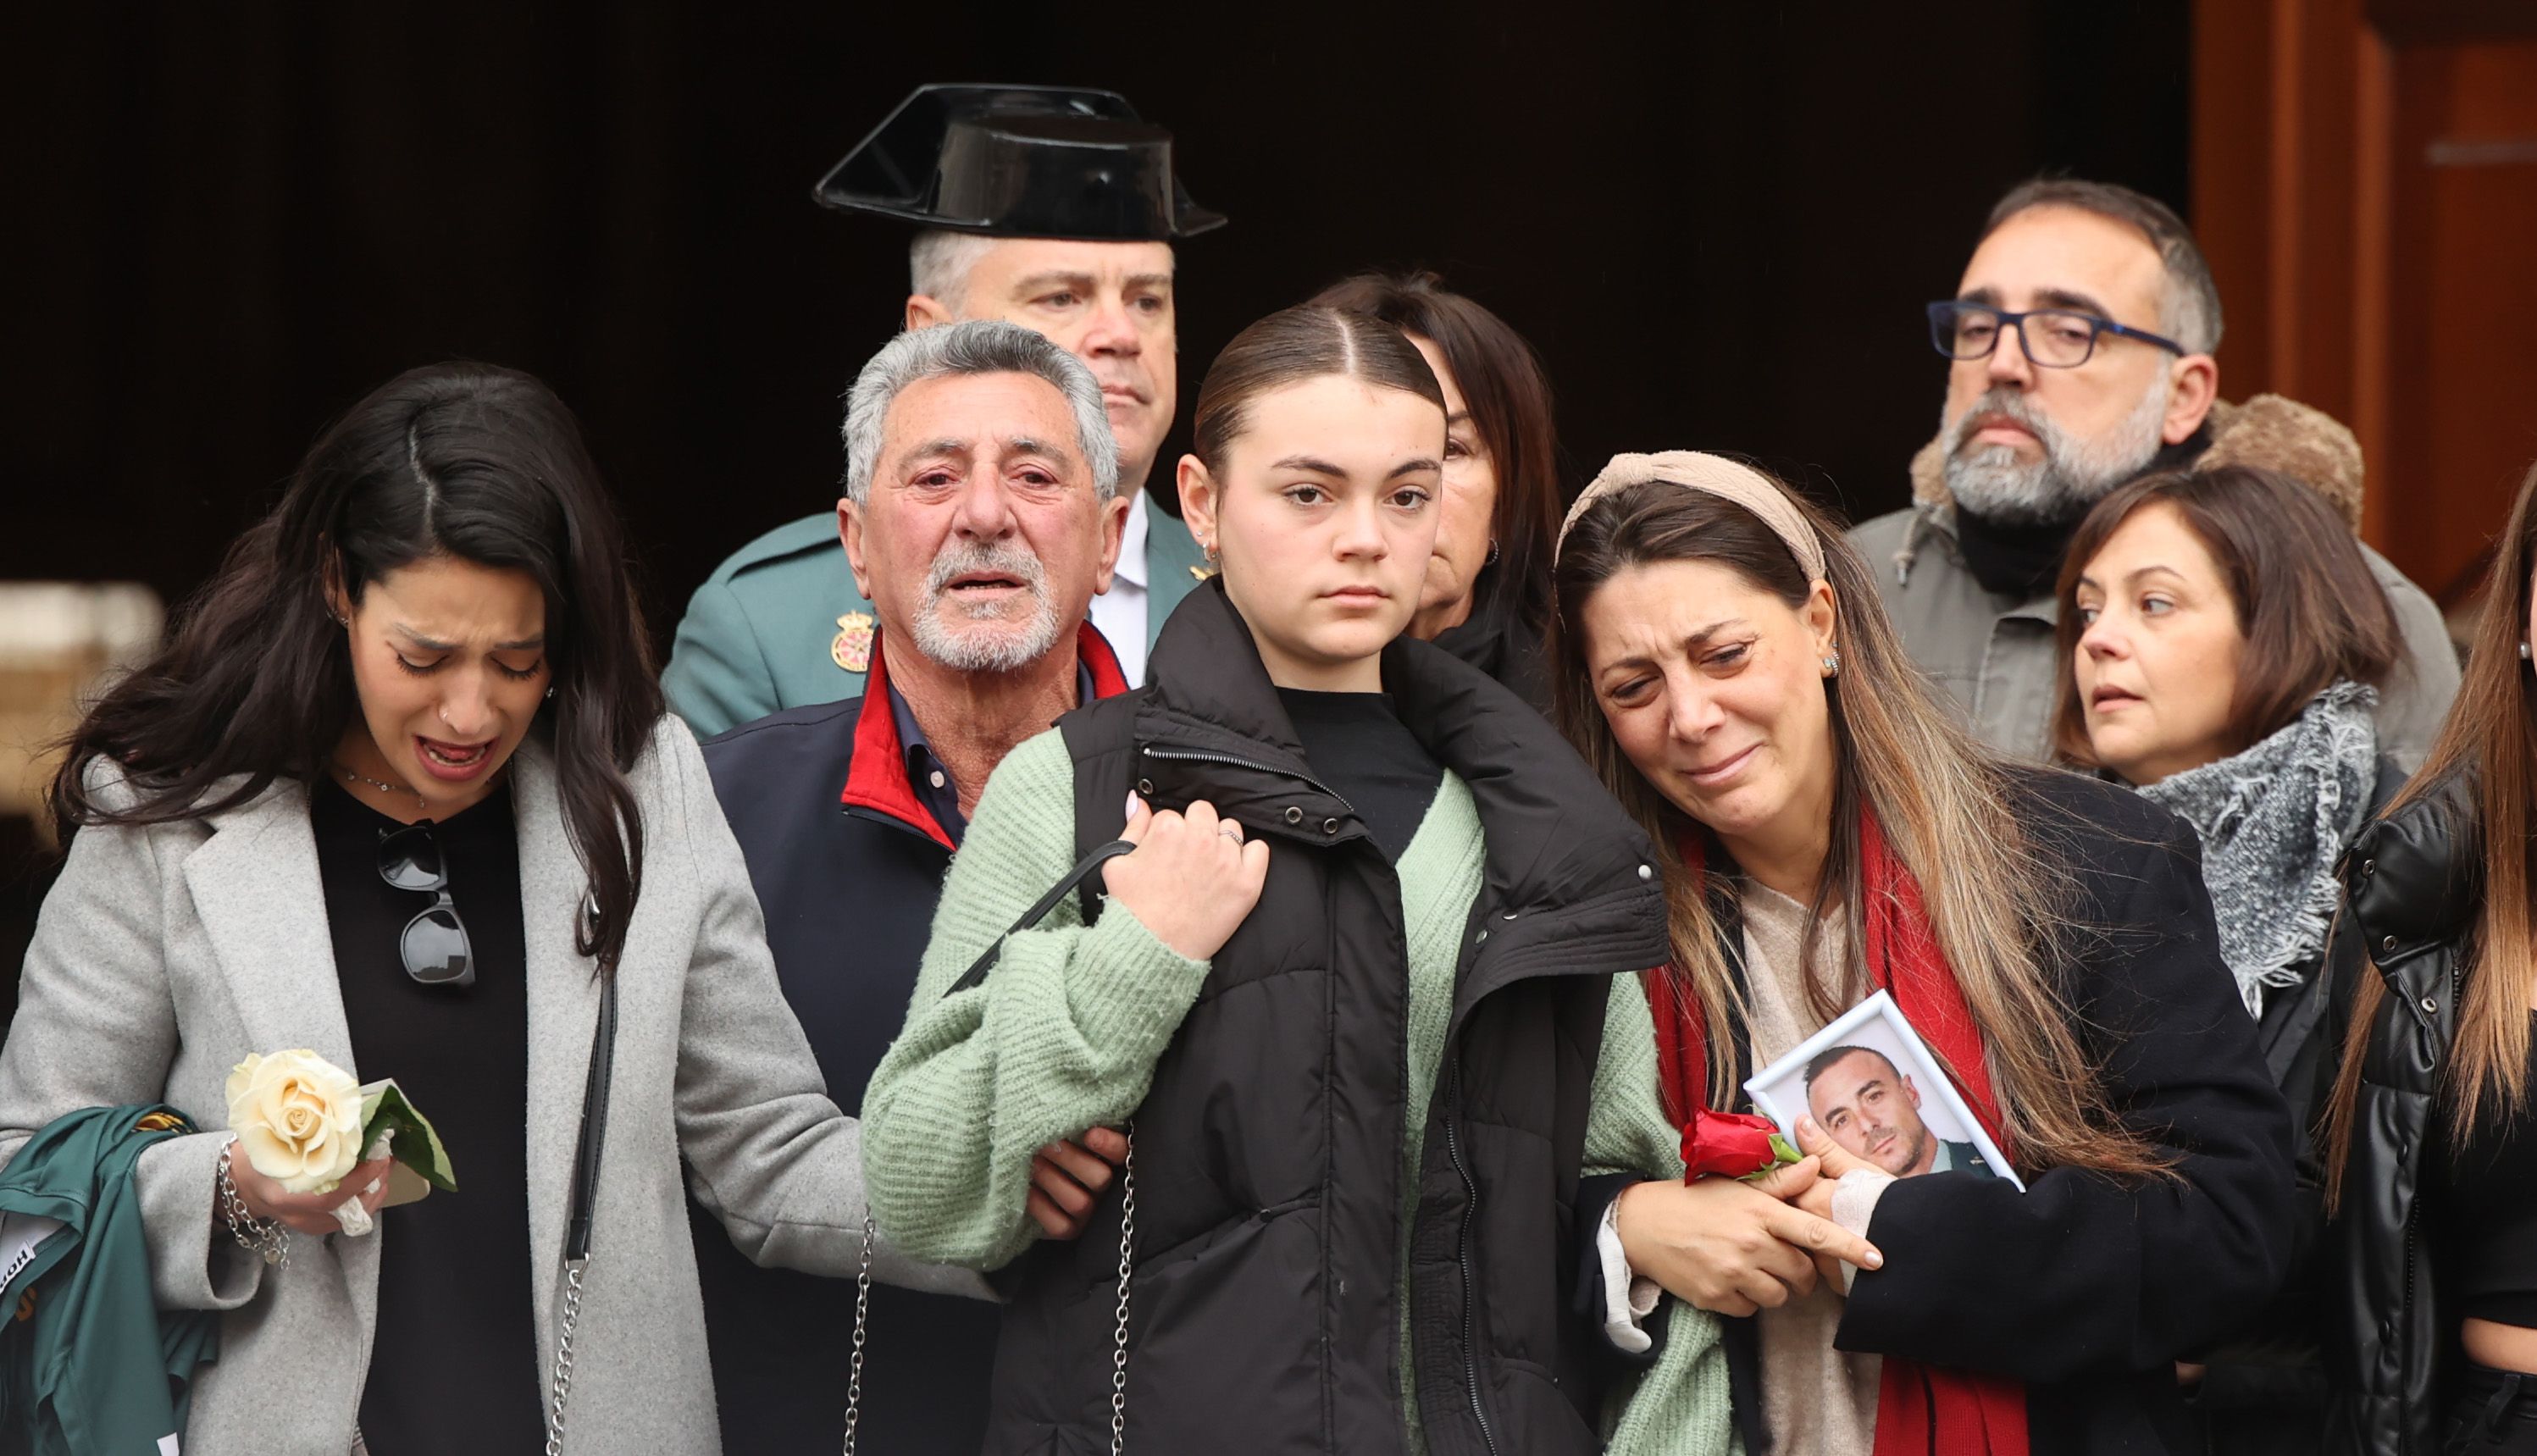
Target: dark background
x: 1716, y: 223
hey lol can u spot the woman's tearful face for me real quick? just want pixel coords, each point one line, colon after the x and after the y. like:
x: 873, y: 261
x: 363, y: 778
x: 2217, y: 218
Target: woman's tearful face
x: 449, y: 660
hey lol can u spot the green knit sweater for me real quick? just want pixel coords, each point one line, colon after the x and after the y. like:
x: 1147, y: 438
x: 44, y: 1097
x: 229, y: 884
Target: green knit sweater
x: 1066, y: 1033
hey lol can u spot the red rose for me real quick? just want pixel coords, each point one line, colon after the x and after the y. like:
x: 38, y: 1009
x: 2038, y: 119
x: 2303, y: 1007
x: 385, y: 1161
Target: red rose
x: 1735, y: 1144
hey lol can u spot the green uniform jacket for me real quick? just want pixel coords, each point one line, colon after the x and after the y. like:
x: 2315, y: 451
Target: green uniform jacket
x: 88, y: 1366
x: 760, y: 634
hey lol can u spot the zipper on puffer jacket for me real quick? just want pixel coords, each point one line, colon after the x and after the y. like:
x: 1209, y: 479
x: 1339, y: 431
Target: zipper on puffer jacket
x: 1462, y: 1262
x: 2405, y: 1306
x: 1198, y: 755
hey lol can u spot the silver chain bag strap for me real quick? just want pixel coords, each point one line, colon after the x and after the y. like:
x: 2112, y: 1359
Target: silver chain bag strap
x: 970, y: 978
x: 585, y: 1193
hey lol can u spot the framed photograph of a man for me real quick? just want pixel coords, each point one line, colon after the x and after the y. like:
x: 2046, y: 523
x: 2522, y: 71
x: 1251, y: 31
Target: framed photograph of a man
x: 1869, y: 1082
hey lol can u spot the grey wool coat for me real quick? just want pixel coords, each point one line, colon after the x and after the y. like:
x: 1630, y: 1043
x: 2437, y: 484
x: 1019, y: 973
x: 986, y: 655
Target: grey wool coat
x: 165, y: 954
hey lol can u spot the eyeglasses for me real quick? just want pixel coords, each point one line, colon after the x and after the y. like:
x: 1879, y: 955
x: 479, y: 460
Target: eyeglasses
x: 434, y: 943
x: 2053, y: 338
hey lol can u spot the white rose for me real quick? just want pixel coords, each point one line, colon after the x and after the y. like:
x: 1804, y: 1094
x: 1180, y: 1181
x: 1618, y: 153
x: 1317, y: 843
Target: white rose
x: 298, y: 1117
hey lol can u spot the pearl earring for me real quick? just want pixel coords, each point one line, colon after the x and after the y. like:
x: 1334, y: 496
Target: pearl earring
x: 2523, y: 652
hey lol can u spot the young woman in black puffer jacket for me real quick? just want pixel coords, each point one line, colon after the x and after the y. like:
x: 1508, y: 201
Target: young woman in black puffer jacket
x: 2432, y: 1284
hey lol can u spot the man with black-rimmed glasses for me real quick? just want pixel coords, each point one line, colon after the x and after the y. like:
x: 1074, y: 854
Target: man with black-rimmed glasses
x: 2080, y: 344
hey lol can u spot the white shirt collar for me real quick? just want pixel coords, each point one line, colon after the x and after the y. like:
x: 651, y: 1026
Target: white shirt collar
x: 1132, y: 542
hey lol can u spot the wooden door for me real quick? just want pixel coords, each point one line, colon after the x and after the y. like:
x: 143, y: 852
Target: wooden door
x: 2365, y: 186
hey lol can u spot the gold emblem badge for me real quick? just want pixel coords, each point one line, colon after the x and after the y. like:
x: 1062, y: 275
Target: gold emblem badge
x: 852, y: 650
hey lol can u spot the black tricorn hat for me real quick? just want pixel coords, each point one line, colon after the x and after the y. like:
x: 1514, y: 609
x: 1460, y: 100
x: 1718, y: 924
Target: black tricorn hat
x: 1019, y: 162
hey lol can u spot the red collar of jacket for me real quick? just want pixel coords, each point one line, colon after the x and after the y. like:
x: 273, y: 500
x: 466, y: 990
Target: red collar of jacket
x: 878, y: 778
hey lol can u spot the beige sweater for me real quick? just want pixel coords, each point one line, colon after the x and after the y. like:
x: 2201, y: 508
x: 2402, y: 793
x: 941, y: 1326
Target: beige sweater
x: 1815, y: 1400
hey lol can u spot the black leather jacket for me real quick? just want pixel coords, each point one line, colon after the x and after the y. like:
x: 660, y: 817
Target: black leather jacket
x: 2413, y: 883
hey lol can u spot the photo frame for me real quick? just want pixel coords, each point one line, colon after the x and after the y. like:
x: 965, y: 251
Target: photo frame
x: 1885, y: 1098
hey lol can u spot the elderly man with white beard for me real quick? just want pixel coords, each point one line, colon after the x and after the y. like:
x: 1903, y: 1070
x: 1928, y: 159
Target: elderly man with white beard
x: 982, y: 515
x: 2081, y: 342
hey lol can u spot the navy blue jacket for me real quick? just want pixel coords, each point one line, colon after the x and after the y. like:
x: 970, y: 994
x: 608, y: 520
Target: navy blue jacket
x: 848, y: 863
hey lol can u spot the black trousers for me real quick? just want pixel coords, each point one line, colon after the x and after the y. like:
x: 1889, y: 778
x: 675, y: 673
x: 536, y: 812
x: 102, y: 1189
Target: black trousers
x: 2493, y: 1414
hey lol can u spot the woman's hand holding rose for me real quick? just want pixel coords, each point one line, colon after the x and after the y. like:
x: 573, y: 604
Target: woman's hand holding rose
x: 297, y: 1157
x: 1731, y: 1246
x: 1833, y: 1162
x: 309, y: 1213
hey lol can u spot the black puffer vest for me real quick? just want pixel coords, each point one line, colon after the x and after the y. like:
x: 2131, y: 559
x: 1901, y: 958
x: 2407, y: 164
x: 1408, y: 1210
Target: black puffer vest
x: 2413, y: 883
x: 1268, y: 1150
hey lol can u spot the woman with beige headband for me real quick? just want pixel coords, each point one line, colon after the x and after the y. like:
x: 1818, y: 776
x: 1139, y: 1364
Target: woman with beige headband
x: 1346, y: 990
x: 1828, y: 830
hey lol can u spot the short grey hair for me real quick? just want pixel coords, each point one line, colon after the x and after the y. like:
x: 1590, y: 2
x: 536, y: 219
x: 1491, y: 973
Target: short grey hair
x: 938, y: 264
x: 2189, y: 306
x: 977, y: 346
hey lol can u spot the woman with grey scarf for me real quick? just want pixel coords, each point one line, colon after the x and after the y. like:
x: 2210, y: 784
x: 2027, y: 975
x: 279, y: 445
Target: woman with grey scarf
x: 2223, y: 644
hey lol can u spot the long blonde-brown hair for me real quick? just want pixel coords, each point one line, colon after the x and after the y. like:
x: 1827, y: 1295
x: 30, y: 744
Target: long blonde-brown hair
x: 2487, y: 756
x: 1944, y: 801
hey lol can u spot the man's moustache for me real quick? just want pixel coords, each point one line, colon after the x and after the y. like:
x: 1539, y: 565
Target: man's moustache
x: 2006, y: 407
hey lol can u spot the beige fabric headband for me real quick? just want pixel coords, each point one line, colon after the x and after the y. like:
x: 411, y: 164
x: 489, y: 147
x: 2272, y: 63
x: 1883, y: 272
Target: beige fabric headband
x: 1723, y: 478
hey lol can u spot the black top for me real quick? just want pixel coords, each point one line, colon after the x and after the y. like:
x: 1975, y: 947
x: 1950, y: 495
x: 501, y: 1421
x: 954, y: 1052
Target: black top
x: 1500, y: 640
x: 1357, y: 746
x: 2491, y: 1215
x: 453, y: 1366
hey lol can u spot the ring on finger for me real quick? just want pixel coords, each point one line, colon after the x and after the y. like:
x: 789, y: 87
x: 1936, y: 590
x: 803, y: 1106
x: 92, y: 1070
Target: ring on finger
x: 1229, y: 830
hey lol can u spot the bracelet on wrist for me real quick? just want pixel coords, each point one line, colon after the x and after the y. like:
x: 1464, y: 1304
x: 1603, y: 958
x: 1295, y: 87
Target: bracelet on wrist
x: 265, y: 1238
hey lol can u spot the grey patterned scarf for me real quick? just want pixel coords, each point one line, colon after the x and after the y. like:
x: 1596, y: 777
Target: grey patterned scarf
x: 2272, y: 821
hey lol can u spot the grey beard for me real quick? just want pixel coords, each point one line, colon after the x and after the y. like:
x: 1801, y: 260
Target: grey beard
x: 2073, y: 475
x: 1020, y: 643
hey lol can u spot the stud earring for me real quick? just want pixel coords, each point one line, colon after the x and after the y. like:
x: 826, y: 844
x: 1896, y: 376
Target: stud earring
x: 1211, y: 551
x: 2523, y: 652
x: 1832, y: 664
x: 550, y: 695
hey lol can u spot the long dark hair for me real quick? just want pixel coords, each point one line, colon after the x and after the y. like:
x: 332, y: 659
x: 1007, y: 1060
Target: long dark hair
x: 255, y: 683
x: 1507, y: 393
x: 2307, y: 607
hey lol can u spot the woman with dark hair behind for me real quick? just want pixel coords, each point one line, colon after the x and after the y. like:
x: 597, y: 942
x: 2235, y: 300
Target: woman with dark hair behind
x: 399, y: 790
x: 2430, y: 1156
x: 2222, y: 642
x: 1486, y: 599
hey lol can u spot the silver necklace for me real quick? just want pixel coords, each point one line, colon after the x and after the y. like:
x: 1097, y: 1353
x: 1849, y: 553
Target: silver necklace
x: 384, y: 787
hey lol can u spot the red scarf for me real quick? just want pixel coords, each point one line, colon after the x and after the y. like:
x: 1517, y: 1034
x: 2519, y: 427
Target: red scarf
x: 1921, y: 1410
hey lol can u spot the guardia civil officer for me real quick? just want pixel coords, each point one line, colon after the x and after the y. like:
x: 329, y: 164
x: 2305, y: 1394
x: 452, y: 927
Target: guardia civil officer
x: 981, y: 517
x: 1050, y: 206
